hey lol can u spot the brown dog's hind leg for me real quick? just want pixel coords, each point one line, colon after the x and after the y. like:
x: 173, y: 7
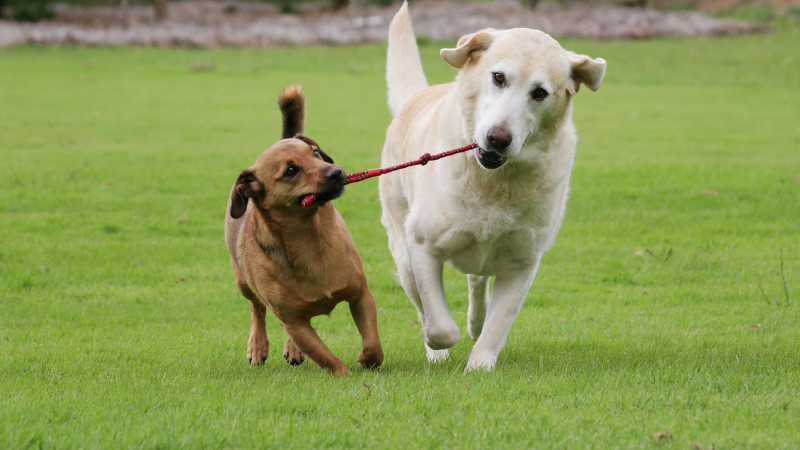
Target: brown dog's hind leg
x: 309, y: 342
x: 292, y: 354
x: 258, y: 344
x: 365, y: 316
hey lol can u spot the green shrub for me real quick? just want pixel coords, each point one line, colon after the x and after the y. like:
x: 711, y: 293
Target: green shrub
x: 31, y: 10
x: 289, y: 6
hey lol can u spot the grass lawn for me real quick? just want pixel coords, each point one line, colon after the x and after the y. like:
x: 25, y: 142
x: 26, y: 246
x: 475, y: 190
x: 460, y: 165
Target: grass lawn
x: 660, y: 309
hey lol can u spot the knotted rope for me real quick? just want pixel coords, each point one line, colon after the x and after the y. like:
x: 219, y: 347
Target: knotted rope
x: 361, y: 176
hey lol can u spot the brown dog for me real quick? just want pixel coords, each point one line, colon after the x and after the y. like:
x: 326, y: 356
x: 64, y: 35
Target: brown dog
x: 299, y: 262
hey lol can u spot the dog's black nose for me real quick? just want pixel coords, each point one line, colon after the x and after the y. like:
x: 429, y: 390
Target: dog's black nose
x: 334, y: 175
x: 498, y: 138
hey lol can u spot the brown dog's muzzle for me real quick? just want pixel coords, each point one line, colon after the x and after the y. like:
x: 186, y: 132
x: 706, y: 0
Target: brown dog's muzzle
x: 335, y: 177
x: 330, y: 189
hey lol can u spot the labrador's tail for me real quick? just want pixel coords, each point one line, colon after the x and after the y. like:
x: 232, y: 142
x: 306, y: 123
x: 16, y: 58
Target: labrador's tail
x: 404, y: 74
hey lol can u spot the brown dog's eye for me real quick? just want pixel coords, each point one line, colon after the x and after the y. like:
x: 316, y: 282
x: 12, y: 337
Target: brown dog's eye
x: 290, y: 172
x: 539, y: 94
x: 499, y: 78
x: 316, y: 153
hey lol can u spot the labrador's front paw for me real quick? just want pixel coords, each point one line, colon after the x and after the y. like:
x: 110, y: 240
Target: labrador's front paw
x: 480, y: 361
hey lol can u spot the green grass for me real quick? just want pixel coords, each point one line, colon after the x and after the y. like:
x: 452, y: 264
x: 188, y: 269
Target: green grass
x: 115, y: 168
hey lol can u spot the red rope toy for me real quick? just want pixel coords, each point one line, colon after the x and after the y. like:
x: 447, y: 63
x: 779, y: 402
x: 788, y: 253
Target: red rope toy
x: 361, y: 176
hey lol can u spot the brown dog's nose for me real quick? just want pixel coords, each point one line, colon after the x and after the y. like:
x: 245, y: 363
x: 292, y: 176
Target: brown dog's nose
x: 334, y: 175
x: 498, y: 138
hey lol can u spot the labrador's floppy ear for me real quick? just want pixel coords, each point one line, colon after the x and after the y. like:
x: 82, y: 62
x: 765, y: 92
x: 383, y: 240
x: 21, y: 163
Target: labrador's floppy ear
x: 293, y: 106
x: 313, y: 144
x: 585, y: 70
x: 467, y: 45
x: 247, y: 185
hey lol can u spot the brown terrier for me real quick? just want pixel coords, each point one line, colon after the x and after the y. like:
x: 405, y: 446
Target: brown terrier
x: 299, y: 262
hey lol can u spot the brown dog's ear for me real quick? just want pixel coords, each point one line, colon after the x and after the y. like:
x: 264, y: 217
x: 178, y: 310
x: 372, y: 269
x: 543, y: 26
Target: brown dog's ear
x: 325, y: 156
x: 293, y: 106
x: 313, y: 144
x: 247, y: 185
x: 585, y: 70
x: 467, y: 45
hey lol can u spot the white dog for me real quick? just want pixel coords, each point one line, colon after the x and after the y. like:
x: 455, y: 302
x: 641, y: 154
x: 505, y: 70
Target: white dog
x: 493, y: 211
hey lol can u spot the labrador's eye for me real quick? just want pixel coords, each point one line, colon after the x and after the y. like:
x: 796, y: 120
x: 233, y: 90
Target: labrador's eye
x: 316, y: 153
x: 539, y: 94
x: 499, y: 78
x: 290, y: 172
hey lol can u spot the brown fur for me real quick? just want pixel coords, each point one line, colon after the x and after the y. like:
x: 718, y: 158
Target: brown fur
x: 298, y: 262
x: 293, y: 106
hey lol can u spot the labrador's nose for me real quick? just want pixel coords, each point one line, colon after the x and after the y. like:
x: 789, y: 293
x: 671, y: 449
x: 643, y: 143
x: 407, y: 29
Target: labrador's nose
x: 498, y: 138
x: 334, y: 175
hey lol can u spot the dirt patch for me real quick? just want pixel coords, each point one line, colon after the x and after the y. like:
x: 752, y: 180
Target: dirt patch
x: 210, y: 24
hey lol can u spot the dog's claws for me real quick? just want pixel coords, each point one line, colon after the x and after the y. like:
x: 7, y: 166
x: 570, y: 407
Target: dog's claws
x: 286, y: 356
x: 294, y: 362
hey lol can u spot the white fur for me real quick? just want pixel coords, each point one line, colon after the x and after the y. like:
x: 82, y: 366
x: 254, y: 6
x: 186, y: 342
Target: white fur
x: 404, y: 73
x: 484, y: 222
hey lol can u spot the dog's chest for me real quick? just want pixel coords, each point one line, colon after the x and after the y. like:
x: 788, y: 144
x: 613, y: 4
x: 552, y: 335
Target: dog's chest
x: 307, y: 278
x: 491, y: 239
x: 493, y: 255
x: 290, y: 294
x: 323, y: 301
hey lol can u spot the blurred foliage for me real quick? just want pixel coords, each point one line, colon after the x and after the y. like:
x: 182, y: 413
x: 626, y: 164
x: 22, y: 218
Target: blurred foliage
x: 754, y: 11
x: 770, y: 18
x: 286, y: 6
x: 31, y: 10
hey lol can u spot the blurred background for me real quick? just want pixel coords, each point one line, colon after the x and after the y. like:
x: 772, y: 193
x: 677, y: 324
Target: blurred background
x: 273, y: 23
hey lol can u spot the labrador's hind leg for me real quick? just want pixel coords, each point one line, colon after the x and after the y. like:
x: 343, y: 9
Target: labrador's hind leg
x: 478, y: 302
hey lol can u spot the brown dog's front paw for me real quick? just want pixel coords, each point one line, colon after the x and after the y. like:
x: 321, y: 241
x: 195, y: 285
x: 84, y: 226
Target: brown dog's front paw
x: 339, y: 370
x: 257, y: 350
x: 292, y: 354
x: 370, y: 358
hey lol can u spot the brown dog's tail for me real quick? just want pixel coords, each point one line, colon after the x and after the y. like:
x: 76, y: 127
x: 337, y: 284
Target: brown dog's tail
x: 293, y: 106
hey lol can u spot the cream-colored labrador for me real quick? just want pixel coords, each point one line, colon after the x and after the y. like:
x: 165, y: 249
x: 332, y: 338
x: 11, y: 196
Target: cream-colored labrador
x: 489, y: 212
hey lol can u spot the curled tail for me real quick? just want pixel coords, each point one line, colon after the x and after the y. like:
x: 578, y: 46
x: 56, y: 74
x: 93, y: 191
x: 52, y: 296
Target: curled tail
x: 293, y: 106
x: 404, y: 74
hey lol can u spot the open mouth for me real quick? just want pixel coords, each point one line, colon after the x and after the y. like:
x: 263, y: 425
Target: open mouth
x: 490, y: 160
x: 321, y: 198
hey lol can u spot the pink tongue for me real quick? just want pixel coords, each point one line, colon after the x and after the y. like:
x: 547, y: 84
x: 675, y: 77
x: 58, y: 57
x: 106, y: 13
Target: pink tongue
x: 308, y: 200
